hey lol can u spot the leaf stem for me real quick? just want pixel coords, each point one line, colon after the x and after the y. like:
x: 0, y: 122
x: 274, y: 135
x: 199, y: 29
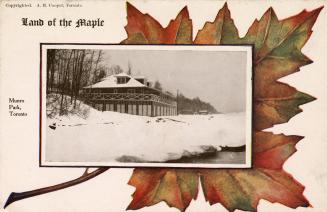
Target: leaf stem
x: 13, y: 197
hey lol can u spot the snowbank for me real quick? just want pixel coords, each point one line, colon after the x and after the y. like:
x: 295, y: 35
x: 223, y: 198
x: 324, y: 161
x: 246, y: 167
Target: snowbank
x: 111, y: 136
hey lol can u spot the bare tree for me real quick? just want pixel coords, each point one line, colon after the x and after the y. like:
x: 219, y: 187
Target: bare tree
x: 129, y: 69
x: 66, y: 76
x: 116, y: 69
x: 69, y: 70
x: 50, y: 69
x: 157, y: 85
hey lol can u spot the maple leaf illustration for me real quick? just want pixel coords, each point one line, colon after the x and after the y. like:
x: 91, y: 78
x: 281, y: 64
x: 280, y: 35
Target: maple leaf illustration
x: 277, y: 53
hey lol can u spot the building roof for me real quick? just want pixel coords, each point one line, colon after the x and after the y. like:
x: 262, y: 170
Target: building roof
x: 139, y: 77
x: 111, y: 82
x: 121, y: 75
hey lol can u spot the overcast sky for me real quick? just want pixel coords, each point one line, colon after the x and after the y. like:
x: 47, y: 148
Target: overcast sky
x: 217, y: 77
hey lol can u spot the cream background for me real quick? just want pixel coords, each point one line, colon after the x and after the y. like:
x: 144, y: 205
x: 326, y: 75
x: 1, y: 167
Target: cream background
x: 19, y: 77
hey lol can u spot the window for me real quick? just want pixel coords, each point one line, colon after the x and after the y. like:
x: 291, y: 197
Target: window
x: 149, y: 110
x: 158, y: 111
x: 129, y: 111
x: 122, y: 80
x: 122, y: 108
x: 134, y: 109
x: 154, y: 110
x: 109, y: 107
x: 140, y: 110
x: 144, y: 110
x: 130, y: 91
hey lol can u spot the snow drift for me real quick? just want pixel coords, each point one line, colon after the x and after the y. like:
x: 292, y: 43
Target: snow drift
x: 95, y: 136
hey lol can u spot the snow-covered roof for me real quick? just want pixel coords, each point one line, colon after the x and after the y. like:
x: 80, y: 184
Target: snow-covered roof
x: 139, y: 77
x: 111, y: 82
x: 122, y: 75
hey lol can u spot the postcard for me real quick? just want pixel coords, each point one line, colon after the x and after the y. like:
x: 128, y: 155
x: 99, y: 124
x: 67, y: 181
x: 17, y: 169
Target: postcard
x: 163, y: 106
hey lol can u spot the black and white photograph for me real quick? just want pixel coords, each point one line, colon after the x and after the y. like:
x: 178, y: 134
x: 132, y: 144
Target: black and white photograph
x: 146, y: 105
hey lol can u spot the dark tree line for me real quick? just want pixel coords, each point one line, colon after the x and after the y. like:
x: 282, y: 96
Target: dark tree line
x: 187, y: 105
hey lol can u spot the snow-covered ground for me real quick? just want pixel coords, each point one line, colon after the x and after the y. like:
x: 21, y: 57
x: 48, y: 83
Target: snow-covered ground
x: 108, y: 136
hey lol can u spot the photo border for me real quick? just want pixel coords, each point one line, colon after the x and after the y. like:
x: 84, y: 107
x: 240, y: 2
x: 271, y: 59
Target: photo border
x: 246, y: 166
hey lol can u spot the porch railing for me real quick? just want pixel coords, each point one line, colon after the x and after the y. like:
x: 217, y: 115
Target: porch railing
x: 127, y: 97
